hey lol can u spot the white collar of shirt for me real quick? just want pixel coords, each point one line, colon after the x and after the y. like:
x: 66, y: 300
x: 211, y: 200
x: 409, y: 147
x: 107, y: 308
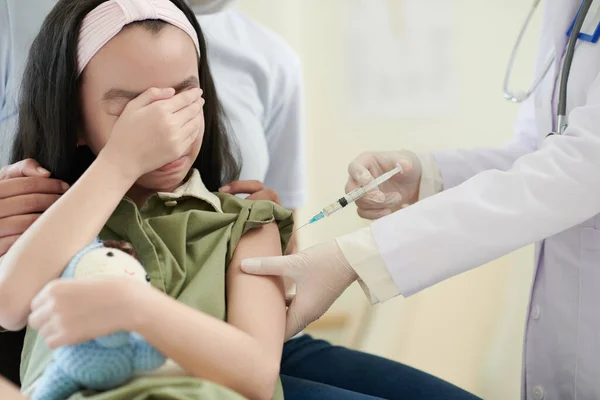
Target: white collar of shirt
x: 193, y: 187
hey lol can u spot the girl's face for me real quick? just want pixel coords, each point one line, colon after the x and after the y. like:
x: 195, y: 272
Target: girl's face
x: 132, y: 62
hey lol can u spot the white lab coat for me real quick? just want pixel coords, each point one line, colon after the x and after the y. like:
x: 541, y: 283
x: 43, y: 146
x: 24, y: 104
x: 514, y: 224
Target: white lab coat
x: 532, y: 190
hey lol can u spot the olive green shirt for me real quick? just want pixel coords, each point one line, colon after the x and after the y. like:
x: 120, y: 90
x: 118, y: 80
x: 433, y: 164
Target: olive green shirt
x: 185, y: 240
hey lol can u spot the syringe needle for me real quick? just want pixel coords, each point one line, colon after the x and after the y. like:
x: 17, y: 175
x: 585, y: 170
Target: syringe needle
x: 297, y: 229
x: 352, y: 196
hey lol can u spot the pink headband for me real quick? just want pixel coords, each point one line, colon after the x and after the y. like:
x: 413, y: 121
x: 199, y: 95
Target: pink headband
x: 106, y: 21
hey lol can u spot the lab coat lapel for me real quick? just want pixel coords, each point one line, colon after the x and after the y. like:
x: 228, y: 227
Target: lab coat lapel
x: 563, y: 14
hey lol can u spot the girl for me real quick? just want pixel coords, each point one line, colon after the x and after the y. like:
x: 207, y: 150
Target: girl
x: 112, y: 104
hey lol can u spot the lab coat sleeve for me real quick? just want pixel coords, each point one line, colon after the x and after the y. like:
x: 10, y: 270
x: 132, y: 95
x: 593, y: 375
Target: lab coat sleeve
x: 284, y: 130
x: 361, y: 252
x: 456, y: 166
x: 431, y: 178
x: 495, y: 212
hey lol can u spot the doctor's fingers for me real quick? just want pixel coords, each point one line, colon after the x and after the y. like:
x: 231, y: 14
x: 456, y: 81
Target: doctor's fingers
x: 374, y: 195
x: 374, y: 214
x: 379, y: 200
x: 286, y: 266
x: 289, y: 298
x: 296, y: 320
x: 359, y: 175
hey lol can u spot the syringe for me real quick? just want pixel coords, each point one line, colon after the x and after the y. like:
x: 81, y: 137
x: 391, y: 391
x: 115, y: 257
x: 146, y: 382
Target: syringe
x: 353, y: 196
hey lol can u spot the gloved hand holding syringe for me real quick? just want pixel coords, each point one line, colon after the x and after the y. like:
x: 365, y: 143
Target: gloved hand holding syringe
x: 353, y: 196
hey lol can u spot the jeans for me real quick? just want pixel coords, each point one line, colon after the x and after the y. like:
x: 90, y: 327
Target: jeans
x: 315, y: 369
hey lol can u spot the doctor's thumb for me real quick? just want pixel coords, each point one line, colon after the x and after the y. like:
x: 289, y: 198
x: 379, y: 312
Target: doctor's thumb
x: 295, y: 322
x: 359, y: 173
x: 407, y: 166
x: 273, y: 266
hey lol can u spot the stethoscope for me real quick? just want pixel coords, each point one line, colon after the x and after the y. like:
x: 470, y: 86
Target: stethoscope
x: 518, y: 97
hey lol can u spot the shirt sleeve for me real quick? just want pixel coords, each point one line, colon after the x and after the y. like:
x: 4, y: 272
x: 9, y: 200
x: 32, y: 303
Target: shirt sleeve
x: 254, y: 214
x: 285, y: 134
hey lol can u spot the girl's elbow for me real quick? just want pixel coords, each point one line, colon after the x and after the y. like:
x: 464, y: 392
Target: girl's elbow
x: 12, y: 317
x: 14, y: 305
x: 265, y: 386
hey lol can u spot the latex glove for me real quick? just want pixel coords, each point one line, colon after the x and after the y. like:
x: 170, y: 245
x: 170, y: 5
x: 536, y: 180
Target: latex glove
x: 26, y: 191
x: 67, y: 311
x: 321, y: 274
x: 401, y: 189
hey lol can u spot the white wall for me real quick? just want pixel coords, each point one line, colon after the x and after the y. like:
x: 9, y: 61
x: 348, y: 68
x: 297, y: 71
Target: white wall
x: 467, y: 330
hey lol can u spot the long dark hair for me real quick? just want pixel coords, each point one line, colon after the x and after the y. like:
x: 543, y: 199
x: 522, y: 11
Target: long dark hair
x: 50, y: 110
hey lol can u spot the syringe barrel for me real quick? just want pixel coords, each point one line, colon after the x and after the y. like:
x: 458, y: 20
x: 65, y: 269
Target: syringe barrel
x: 344, y: 201
x: 355, y: 195
x: 333, y: 207
x: 359, y: 192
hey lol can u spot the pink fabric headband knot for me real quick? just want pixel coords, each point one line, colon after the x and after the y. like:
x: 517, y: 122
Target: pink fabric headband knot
x: 108, y: 19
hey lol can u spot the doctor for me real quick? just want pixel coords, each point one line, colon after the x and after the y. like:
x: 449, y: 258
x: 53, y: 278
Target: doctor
x: 491, y: 202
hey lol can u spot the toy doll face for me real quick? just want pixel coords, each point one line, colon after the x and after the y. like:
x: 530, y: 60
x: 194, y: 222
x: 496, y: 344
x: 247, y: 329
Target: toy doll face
x: 106, y: 261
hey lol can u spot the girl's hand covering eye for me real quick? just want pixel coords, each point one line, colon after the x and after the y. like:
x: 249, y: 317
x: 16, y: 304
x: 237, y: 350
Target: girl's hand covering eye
x: 155, y: 129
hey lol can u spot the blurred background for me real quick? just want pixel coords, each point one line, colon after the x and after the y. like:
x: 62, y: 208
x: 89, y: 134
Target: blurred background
x: 421, y: 75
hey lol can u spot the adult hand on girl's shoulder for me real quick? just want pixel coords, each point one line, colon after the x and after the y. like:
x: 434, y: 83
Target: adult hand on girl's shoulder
x: 26, y: 191
x: 257, y: 191
x: 67, y: 312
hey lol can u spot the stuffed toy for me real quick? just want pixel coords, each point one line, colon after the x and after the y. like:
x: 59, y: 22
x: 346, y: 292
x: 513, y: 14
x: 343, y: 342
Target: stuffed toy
x: 106, y: 362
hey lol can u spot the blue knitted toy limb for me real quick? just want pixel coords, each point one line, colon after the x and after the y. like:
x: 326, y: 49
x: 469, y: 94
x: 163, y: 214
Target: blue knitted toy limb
x: 145, y: 357
x: 55, y: 384
x: 94, y: 366
x: 114, y: 340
